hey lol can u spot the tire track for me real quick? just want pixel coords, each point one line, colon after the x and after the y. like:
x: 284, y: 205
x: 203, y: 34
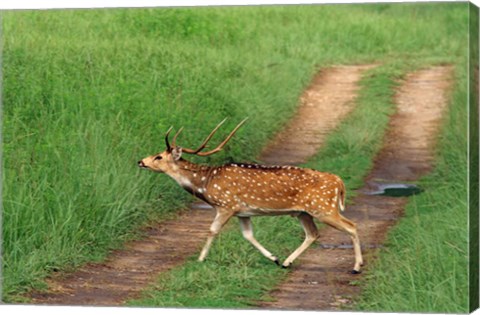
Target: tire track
x: 128, y: 271
x: 320, y: 280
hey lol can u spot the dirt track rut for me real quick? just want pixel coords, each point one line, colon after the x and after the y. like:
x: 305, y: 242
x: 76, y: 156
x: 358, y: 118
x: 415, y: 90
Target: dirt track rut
x: 320, y: 280
x: 328, y: 99
x: 126, y: 272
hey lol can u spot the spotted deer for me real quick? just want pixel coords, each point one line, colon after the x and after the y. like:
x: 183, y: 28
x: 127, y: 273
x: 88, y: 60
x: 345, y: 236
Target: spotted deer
x: 246, y: 190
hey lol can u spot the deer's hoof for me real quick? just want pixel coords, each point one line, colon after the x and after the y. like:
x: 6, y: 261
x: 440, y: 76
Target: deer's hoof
x: 276, y: 261
x: 286, y: 267
x: 355, y: 272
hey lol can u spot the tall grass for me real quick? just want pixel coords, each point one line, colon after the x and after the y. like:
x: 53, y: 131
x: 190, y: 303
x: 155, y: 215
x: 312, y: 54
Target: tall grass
x: 83, y: 104
x: 89, y: 92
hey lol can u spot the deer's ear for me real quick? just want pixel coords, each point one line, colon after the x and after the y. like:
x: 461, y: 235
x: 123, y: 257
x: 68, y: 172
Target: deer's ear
x: 176, y: 153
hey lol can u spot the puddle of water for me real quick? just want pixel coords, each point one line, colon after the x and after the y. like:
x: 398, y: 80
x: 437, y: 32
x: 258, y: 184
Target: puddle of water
x: 395, y: 190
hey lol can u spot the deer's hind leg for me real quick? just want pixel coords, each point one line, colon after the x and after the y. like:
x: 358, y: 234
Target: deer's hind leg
x: 247, y: 231
x: 311, y: 234
x: 341, y: 223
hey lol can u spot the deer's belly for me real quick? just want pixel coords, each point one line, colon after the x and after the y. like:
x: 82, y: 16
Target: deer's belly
x: 266, y: 212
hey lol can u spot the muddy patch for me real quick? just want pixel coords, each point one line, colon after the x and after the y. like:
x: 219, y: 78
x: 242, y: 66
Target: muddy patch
x: 126, y: 272
x: 320, y: 278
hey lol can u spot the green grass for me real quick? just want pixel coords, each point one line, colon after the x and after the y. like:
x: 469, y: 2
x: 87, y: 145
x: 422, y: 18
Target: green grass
x: 87, y: 93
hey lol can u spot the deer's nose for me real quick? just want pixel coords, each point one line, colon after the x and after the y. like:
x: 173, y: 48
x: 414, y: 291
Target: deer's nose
x: 141, y: 164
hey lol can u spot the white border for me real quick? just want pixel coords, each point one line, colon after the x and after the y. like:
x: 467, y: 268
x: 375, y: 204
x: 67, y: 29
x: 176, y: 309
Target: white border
x: 55, y: 4
x: 50, y: 4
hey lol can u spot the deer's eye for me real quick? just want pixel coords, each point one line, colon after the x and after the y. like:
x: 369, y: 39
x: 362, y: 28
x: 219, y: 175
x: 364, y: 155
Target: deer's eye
x: 157, y: 158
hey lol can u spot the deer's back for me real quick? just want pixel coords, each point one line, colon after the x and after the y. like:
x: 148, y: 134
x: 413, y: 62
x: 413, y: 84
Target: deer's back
x: 270, y: 190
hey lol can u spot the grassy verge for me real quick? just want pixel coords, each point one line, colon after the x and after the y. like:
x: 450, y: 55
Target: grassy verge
x: 89, y: 92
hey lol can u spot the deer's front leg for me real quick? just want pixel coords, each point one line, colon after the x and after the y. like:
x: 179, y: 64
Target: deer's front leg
x: 220, y: 219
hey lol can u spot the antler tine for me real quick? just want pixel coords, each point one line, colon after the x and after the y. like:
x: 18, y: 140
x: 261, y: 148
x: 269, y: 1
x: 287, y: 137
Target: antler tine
x: 220, y: 146
x: 175, y: 137
x: 203, y: 145
x: 166, y: 138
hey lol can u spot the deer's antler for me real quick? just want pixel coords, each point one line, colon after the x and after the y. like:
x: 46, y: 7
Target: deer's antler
x: 204, y: 143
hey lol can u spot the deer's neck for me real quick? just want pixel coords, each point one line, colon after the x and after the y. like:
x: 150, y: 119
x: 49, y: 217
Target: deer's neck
x: 193, y: 177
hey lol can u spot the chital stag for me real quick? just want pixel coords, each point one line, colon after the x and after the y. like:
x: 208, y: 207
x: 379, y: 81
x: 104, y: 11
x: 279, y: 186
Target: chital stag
x: 246, y: 190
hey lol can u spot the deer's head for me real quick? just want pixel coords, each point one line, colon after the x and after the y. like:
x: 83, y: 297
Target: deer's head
x: 167, y: 161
